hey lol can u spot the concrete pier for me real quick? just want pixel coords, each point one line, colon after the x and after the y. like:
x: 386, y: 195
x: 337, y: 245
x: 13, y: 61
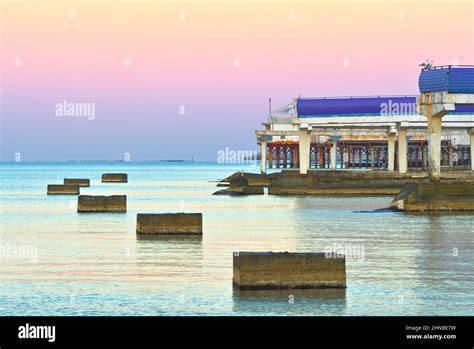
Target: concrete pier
x: 284, y: 270
x: 81, y: 182
x: 114, y: 178
x: 61, y: 189
x: 112, y: 203
x: 436, y: 196
x: 169, y: 224
x: 347, y: 183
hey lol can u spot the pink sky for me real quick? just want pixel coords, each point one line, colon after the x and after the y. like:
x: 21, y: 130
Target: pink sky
x: 284, y: 48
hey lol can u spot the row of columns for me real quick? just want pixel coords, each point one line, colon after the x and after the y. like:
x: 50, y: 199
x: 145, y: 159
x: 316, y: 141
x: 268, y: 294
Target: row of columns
x: 400, y: 135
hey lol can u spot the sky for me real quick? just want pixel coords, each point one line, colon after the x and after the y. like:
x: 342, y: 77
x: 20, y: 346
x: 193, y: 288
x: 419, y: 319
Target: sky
x: 182, y: 79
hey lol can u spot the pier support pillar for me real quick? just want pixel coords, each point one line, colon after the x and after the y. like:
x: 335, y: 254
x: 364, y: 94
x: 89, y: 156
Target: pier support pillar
x: 391, y: 149
x: 451, y: 157
x: 434, y: 147
x: 270, y: 156
x: 297, y: 157
x: 372, y: 157
x: 304, y: 147
x: 333, y: 156
x: 263, y: 157
x: 434, y: 107
x: 471, y: 135
x: 402, y: 150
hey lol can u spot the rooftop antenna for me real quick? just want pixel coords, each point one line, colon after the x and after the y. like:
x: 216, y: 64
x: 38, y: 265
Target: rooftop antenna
x: 270, y: 118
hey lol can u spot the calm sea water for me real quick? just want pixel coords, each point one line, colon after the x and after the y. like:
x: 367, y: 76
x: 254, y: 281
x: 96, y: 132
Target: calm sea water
x: 92, y: 264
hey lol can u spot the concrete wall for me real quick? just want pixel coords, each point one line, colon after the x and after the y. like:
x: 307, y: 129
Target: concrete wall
x: 169, y: 224
x: 82, y: 182
x: 115, y: 177
x: 269, y: 270
x: 322, y: 182
x: 113, y: 203
x: 61, y: 189
x: 448, y: 196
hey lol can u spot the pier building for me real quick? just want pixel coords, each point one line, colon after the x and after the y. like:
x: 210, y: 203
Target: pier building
x: 431, y: 131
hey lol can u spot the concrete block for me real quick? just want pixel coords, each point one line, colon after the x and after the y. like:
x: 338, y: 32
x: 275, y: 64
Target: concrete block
x: 239, y: 185
x: 284, y: 270
x: 114, y: 178
x: 435, y: 196
x: 81, y: 182
x: 169, y: 224
x: 61, y: 189
x: 112, y: 203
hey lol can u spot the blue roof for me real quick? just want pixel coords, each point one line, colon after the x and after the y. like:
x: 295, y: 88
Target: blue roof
x: 452, y: 79
x: 379, y: 105
x: 363, y: 106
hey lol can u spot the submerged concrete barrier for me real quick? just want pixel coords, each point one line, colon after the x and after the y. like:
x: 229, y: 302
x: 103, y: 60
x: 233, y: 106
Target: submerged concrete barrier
x: 284, y: 270
x: 112, y: 203
x: 435, y: 196
x: 114, y: 178
x: 239, y: 185
x: 61, y: 189
x: 169, y: 224
x: 82, y: 182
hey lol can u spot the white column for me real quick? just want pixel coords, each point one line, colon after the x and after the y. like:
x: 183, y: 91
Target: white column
x: 434, y: 147
x: 402, y: 151
x: 471, y: 133
x: 263, y: 157
x: 304, y: 145
x: 434, y: 107
x: 333, y: 155
x: 391, y: 151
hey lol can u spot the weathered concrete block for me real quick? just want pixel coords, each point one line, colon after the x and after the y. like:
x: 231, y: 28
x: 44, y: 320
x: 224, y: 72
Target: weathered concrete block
x: 239, y: 185
x: 114, y: 178
x: 61, y: 189
x: 169, y: 224
x: 284, y: 270
x: 112, y: 203
x: 433, y: 196
x: 82, y: 182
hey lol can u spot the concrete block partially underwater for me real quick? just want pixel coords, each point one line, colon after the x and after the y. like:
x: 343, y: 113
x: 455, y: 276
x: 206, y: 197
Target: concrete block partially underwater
x: 169, y: 224
x: 81, y: 182
x: 436, y: 196
x: 114, y: 178
x: 284, y: 270
x: 239, y: 185
x: 61, y: 189
x: 112, y: 203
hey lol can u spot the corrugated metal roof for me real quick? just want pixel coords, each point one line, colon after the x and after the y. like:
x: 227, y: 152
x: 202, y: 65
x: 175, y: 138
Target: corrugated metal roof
x: 363, y: 106
x: 380, y: 105
x: 453, y: 79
